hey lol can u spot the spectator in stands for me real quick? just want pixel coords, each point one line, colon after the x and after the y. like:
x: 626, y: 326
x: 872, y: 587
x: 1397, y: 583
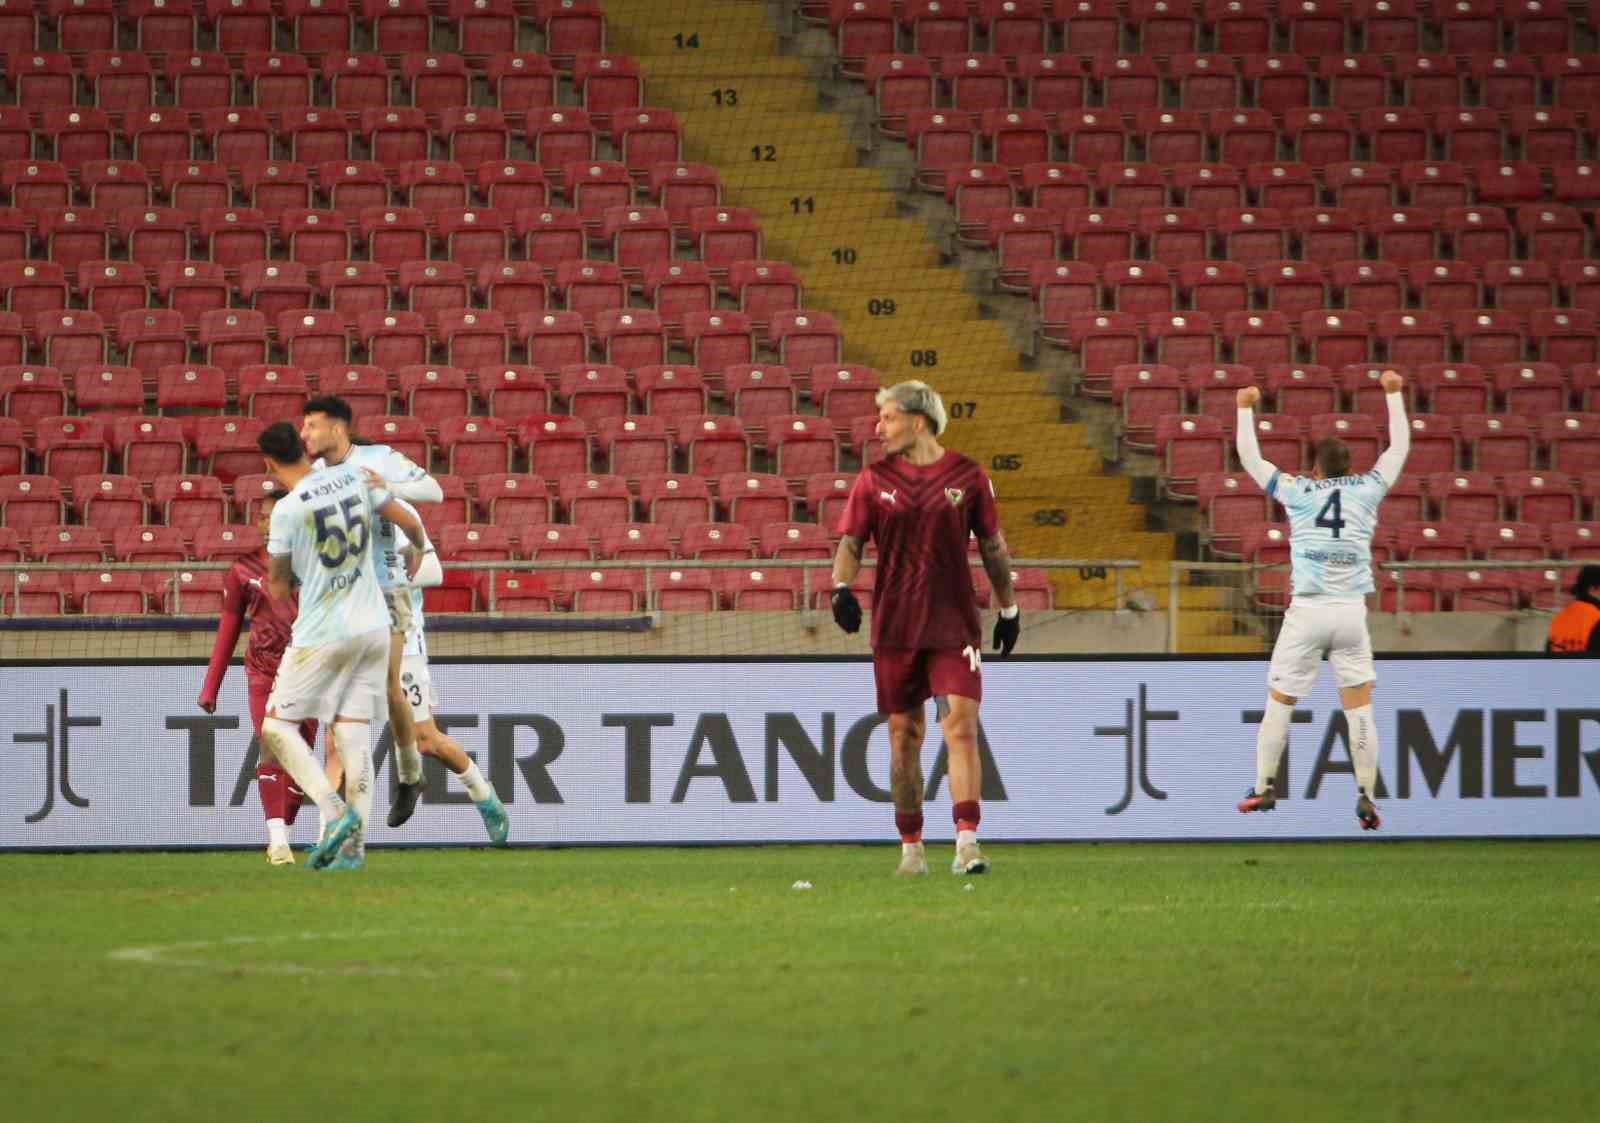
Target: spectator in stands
x: 1575, y: 630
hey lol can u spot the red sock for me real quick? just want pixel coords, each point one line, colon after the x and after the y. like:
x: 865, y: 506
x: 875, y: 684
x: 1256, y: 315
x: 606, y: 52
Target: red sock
x: 909, y: 826
x: 272, y: 782
x: 966, y: 815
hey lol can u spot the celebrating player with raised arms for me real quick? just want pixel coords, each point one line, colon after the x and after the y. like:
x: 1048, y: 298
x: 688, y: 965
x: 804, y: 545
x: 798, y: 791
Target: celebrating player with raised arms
x: 920, y: 505
x: 1332, y: 516
x: 321, y: 533
x: 244, y: 593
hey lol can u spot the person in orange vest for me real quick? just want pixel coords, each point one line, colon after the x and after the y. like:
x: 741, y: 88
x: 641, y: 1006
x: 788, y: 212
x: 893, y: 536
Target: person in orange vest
x: 1575, y: 630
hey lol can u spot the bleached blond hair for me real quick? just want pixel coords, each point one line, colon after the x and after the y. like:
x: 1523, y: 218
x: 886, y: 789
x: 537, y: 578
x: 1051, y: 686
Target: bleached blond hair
x: 917, y: 397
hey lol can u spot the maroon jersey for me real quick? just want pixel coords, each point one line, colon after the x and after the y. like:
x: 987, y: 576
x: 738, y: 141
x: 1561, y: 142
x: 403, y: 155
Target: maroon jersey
x: 921, y: 517
x: 244, y: 593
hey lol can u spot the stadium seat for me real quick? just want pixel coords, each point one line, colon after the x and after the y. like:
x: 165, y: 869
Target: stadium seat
x: 187, y: 502
x: 520, y: 81
x: 1057, y: 188
x: 801, y: 445
x: 248, y: 492
x: 512, y: 500
x: 635, y: 542
x: 1540, y: 498
x: 393, y: 339
x: 1172, y: 235
x: 227, y: 445
x: 34, y: 594
x: 350, y: 288
x: 314, y: 237
x: 149, y: 544
x: 760, y: 589
x: 1497, y: 443
x: 313, y: 338
x: 1294, y: 287
x: 147, y: 447
x: 475, y: 446
x: 273, y: 393
x: 1531, y: 389
x: 1189, y: 447
x: 1144, y: 393
x: 66, y: 545
x: 1571, y: 441
x: 671, y: 391
x: 188, y: 288
x: 1464, y: 497
x: 1444, y: 286
x: 109, y: 389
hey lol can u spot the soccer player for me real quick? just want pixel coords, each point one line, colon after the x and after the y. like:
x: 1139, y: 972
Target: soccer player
x: 920, y: 505
x: 1332, y: 516
x: 244, y: 593
x: 416, y: 681
x: 322, y: 532
x: 325, y: 429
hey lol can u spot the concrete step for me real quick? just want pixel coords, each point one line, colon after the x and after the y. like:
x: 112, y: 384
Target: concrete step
x: 808, y: 142
x: 750, y: 93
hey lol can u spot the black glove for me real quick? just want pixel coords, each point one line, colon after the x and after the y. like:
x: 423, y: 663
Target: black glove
x: 1006, y: 633
x: 846, y: 609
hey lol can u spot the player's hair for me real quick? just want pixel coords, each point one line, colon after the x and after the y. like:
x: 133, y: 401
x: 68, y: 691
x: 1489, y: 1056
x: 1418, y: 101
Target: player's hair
x: 917, y: 397
x: 281, y: 441
x: 1333, y: 457
x: 335, y: 407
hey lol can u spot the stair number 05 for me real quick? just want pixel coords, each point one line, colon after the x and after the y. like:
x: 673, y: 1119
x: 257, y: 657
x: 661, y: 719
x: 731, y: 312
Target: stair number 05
x: 1329, y: 517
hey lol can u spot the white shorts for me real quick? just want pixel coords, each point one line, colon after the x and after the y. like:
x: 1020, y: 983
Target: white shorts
x: 334, y: 680
x: 1311, y: 630
x: 416, y: 681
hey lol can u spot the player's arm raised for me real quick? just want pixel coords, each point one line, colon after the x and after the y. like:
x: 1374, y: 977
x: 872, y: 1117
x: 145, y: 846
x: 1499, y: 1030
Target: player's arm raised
x: 1263, y: 471
x: 1394, y: 457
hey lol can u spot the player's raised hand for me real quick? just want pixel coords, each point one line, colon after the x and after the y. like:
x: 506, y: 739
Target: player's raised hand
x: 1392, y: 381
x: 846, y: 609
x: 209, y: 705
x: 1248, y: 396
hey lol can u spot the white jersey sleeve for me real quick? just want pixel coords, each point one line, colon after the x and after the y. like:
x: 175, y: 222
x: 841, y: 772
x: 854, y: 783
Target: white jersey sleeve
x: 1331, y: 526
x: 325, y: 525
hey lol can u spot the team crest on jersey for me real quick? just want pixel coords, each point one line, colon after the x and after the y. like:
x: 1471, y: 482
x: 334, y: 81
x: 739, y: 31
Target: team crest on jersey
x: 406, y: 678
x: 954, y: 494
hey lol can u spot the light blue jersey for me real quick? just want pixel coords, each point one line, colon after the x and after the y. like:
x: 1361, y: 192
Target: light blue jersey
x: 325, y: 524
x: 1331, y: 524
x: 395, y: 468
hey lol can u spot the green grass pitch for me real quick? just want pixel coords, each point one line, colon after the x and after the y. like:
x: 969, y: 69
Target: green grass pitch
x: 1349, y: 982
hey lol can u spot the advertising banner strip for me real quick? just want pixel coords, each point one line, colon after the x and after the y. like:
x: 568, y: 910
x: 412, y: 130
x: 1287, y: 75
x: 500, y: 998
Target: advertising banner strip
x: 781, y: 751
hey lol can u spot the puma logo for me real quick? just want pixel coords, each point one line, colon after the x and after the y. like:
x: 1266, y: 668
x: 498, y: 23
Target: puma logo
x: 888, y: 496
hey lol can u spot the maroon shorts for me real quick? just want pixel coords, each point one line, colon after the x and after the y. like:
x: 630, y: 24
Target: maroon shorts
x: 908, y: 677
x: 260, y: 691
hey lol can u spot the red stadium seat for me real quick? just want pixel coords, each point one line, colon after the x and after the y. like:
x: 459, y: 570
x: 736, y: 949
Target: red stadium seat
x: 555, y: 444
x: 594, y: 390
x: 1497, y: 443
x: 670, y: 391
x: 183, y: 388
x: 513, y: 500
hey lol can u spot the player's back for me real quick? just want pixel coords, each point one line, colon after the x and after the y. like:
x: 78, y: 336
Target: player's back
x: 326, y: 525
x: 1331, y: 526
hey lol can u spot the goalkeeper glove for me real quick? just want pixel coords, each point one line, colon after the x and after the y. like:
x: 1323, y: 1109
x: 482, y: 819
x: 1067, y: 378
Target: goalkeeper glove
x: 1007, y: 627
x: 846, y: 609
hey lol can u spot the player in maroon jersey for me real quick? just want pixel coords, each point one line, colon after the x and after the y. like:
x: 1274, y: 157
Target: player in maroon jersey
x: 920, y: 504
x: 245, y: 594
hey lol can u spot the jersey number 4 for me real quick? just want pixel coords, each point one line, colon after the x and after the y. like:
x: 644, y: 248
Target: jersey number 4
x: 337, y: 541
x: 1329, y: 517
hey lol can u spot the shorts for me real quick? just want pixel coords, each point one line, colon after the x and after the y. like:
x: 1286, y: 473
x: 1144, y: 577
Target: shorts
x: 908, y: 677
x: 416, y: 682
x: 399, y: 599
x: 1312, y: 629
x: 334, y: 680
x: 260, y: 691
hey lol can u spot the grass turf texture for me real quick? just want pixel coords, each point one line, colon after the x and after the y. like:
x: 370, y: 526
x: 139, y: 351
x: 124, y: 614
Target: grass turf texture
x: 1416, y: 981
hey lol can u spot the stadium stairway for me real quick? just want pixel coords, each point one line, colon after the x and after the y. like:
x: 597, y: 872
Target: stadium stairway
x: 867, y: 256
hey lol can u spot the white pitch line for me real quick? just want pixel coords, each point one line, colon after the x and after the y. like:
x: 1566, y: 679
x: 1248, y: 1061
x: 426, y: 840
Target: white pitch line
x: 181, y: 955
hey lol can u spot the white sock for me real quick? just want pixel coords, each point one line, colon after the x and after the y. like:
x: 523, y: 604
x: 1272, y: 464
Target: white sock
x: 477, y: 787
x: 1364, y: 747
x: 277, y: 833
x: 295, y: 755
x: 351, y: 740
x: 1272, y: 737
x: 964, y: 837
x: 408, y: 762
x: 910, y: 847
